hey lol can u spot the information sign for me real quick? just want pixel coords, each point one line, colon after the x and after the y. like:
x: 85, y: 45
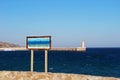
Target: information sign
x: 38, y: 42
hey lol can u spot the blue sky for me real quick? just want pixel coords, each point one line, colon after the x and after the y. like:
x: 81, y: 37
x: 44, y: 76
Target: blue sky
x: 67, y: 21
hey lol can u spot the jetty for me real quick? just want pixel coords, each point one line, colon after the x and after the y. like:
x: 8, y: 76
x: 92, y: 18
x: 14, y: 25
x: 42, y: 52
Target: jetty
x: 82, y: 48
x: 68, y: 49
x: 52, y: 49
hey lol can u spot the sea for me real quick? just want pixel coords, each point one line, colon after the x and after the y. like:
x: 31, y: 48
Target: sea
x: 94, y: 61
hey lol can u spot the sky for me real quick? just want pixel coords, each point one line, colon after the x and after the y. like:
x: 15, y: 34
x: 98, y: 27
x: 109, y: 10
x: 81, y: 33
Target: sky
x: 69, y: 22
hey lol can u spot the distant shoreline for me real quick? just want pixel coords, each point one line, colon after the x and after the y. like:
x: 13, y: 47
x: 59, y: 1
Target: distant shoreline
x: 6, y: 45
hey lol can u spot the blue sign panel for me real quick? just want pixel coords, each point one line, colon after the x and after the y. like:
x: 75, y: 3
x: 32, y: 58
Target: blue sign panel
x: 39, y: 42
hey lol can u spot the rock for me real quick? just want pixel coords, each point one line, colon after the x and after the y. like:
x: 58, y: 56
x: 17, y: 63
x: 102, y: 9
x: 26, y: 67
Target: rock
x: 14, y: 75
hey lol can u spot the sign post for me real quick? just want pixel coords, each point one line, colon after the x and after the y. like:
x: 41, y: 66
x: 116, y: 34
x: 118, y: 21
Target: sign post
x: 32, y: 58
x: 38, y: 43
x: 46, y: 61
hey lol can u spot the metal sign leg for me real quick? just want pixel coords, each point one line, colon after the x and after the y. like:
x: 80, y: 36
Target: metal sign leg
x: 32, y: 58
x: 46, y: 61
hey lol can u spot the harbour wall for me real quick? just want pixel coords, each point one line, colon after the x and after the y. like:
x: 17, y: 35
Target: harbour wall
x: 53, y: 49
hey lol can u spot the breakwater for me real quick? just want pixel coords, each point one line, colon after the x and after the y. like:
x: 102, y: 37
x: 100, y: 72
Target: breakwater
x: 53, y: 49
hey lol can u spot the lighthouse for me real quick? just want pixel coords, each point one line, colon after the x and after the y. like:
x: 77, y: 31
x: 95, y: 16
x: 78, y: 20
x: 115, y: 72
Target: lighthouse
x: 83, y: 44
x: 82, y: 48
